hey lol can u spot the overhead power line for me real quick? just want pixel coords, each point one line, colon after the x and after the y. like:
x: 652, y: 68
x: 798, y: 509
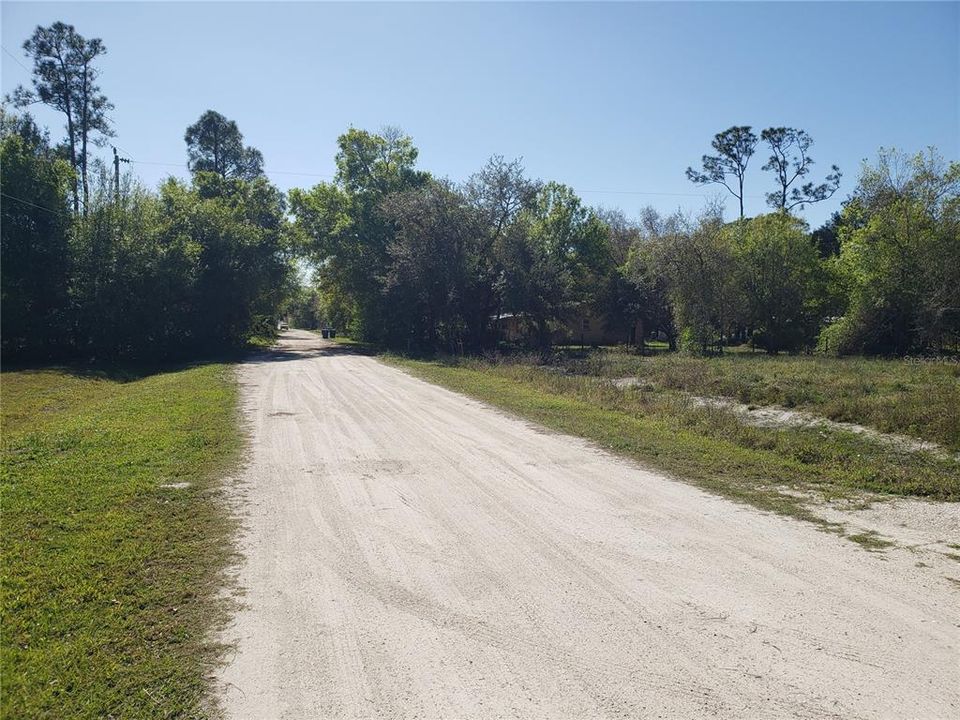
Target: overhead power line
x: 27, y: 202
x: 292, y: 172
x: 16, y: 59
x: 266, y: 170
x: 644, y: 192
x: 121, y: 148
x: 328, y: 176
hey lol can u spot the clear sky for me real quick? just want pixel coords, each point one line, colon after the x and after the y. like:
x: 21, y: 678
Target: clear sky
x: 618, y: 97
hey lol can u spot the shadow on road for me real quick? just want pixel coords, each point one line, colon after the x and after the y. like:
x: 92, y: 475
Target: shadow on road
x: 304, y: 348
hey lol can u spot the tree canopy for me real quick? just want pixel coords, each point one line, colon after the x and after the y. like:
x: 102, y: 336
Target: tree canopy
x: 734, y: 146
x: 899, y: 263
x: 191, y: 269
x: 790, y: 163
x: 215, y: 144
x: 65, y: 79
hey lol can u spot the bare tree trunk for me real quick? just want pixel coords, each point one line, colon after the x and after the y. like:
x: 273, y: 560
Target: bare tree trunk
x: 86, y: 186
x: 71, y: 137
x: 216, y: 153
x: 84, y: 132
x: 543, y: 339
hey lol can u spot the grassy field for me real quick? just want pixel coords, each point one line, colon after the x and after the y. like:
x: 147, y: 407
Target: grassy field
x: 776, y: 469
x: 109, y: 574
x: 916, y: 398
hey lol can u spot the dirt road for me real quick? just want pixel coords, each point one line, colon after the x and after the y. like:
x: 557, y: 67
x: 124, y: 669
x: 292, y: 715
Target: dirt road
x: 413, y: 553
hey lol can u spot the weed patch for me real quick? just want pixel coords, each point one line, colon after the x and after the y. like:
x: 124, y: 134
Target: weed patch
x: 920, y: 400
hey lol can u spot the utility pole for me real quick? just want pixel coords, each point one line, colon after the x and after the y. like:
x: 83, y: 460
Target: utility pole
x: 116, y: 173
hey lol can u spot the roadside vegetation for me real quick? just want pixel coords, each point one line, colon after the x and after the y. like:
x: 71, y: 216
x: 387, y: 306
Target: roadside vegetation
x: 114, y: 537
x: 916, y: 397
x: 781, y: 469
x: 98, y: 266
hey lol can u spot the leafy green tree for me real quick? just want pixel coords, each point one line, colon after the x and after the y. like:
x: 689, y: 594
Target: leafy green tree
x: 650, y: 294
x: 334, y: 309
x: 347, y: 233
x: 245, y: 260
x: 118, y: 289
x: 620, y: 299
x: 304, y: 307
x: 782, y: 283
x: 65, y: 79
x: 633, y: 291
x: 376, y: 165
x: 697, y: 259
x: 790, y: 163
x: 215, y: 144
x: 653, y: 286
x: 195, y: 269
x: 435, y: 272
x: 734, y: 146
x: 827, y: 236
x: 501, y: 195
x: 555, y: 259
x: 538, y: 286
x: 574, y: 234
x: 622, y: 302
x: 899, y: 260
x: 34, y: 237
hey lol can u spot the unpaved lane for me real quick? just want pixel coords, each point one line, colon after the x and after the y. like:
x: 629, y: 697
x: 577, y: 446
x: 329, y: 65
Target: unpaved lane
x: 412, y: 553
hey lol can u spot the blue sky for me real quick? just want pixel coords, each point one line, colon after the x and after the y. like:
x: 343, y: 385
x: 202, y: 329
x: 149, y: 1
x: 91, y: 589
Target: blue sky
x: 618, y: 97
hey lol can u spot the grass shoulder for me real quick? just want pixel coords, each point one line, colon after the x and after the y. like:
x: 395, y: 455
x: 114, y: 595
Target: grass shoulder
x: 261, y: 342
x: 355, y: 345
x: 114, y: 537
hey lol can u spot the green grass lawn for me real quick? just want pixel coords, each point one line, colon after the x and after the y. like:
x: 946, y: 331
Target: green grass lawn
x: 108, y: 577
x: 916, y: 398
x: 707, y: 446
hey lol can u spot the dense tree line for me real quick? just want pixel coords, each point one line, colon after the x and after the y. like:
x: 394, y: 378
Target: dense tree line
x: 417, y: 263
x: 34, y: 240
x: 95, y: 270
x: 191, y: 268
x: 414, y: 262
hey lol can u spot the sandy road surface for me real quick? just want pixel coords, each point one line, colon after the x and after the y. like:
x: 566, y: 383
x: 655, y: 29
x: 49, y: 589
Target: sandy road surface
x: 413, y: 553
